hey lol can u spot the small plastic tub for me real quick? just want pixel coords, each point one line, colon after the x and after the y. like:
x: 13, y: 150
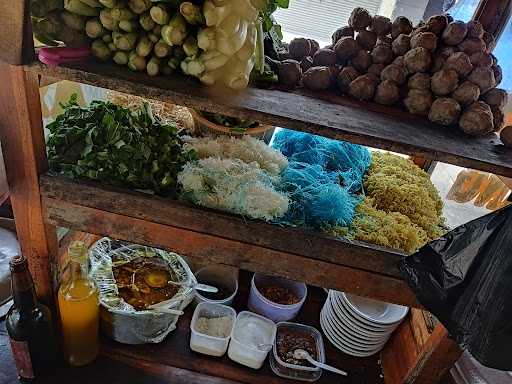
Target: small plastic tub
x: 294, y: 371
x: 204, y: 343
x: 274, y: 311
x: 251, y: 339
x: 224, y: 278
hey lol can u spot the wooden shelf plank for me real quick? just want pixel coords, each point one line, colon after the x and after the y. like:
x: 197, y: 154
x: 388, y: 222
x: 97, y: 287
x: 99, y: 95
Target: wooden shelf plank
x: 213, y: 236
x: 325, y: 114
x: 175, y: 351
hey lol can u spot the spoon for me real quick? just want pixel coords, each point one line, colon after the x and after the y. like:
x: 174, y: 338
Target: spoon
x: 198, y: 287
x: 301, y: 354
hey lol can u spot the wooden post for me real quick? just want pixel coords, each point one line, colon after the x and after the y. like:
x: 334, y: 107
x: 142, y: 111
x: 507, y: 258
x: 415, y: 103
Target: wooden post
x: 21, y: 133
x: 406, y: 359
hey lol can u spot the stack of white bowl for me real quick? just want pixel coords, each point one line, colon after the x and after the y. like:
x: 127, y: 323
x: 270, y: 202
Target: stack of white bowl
x: 359, y: 326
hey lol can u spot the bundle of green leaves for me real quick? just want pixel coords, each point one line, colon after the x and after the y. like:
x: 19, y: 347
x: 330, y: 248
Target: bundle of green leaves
x: 114, y: 145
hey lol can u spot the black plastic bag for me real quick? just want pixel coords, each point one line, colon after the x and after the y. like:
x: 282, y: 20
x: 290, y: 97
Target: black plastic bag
x: 465, y: 279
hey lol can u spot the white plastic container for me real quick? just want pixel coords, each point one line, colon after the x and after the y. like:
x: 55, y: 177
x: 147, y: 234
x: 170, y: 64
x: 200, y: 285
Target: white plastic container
x: 251, y: 339
x: 206, y: 344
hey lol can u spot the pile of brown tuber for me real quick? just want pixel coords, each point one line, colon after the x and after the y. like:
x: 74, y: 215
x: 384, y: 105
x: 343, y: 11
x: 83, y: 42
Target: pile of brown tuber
x: 442, y: 69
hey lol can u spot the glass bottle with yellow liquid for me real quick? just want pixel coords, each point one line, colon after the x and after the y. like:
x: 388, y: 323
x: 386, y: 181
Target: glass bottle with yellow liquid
x: 79, y: 310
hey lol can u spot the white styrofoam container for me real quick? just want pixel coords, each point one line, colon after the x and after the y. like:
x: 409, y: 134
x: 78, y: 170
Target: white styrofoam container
x: 206, y: 344
x: 248, y: 353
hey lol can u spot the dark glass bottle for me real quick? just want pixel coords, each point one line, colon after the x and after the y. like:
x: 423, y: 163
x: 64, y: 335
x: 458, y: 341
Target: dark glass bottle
x: 29, y: 326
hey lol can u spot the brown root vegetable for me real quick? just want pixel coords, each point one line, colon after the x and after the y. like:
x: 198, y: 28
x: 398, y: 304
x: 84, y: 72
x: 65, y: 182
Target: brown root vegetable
x: 496, y: 97
x: 317, y: 78
x: 419, y: 81
x: 438, y: 64
x: 446, y: 50
x: 346, y: 48
x: 384, y: 40
x: 315, y: 46
x: 466, y: 93
x: 494, y: 59
x: 342, y: 32
x: 359, y: 19
x: 325, y: 57
x: 399, y: 60
x: 444, y: 111
x: 477, y: 119
x: 387, y: 93
x: 472, y: 45
x: 418, y: 101
x: 393, y: 72
x: 306, y: 63
x: 506, y: 136
x: 284, y: 55
x: 381, y: 25
x: 366, y: 39
x: 481, y: 59
x: 289, y: 72
x: 444, y: 82
x: 498, y: 74
x: 454, y: 33
x: 363, y: 87
x: 460, y: 63
x: 483, y: 77
x: 498, y: 118
x: 382, y: 54
x: 362, y: 61
x: 436, y: 24
x: 475, y: 29
x: 376, y: 69
x: 418, y: 60
x: 401, y: 25
x: 427, y: 40
x: 489, y: 41
x: 401, y: 45
x: 345, y: 77
x: 299, y: 48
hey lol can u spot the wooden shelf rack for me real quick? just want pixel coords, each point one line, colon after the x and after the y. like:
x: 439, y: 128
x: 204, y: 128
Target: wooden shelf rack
x: 41, y: 202
x: 336, y: 117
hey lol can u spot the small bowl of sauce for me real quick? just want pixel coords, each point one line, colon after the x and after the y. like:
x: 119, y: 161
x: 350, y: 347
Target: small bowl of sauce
x: 224, y: 278
x: 276, y: 298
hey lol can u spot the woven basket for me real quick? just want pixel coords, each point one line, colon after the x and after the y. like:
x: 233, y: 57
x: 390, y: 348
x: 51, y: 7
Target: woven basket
x: 205, y: 126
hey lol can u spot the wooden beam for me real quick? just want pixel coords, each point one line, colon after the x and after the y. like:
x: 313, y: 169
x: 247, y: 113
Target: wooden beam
x: 494, y: 14
x: 219, y: 250
x: 312, y: 244
x: 21, y: 133
x: 321, y: 113
x: 16, y: 44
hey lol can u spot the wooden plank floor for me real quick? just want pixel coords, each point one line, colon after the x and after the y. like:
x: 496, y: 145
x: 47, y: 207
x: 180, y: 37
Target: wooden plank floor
x: 324, y: 114
x: 172, y: 361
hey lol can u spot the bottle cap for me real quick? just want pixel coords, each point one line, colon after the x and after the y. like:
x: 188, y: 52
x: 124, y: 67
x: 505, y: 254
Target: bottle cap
x: 18, y: 263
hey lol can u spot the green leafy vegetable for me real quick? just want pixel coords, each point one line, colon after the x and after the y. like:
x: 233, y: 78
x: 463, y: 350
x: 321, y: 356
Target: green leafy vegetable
x: 112, y: 144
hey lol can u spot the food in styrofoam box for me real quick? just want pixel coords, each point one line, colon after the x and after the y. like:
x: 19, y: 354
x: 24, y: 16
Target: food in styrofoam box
x: 251, y: 340
x: 211, y: 328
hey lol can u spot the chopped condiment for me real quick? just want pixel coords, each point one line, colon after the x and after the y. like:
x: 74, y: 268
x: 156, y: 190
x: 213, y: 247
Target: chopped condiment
x: 280, y: 295
x: 214, y: 326
x: 288, y: 341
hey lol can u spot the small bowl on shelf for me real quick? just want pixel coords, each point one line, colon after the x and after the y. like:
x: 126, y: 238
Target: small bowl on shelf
x: 224, y: 278
x: 204, y: 125
x: 214, y: 343
x: 276, y: 298
x: 289, y: 337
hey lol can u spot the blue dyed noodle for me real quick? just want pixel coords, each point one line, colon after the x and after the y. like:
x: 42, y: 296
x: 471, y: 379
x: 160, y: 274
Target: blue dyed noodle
x: 323, y: 178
